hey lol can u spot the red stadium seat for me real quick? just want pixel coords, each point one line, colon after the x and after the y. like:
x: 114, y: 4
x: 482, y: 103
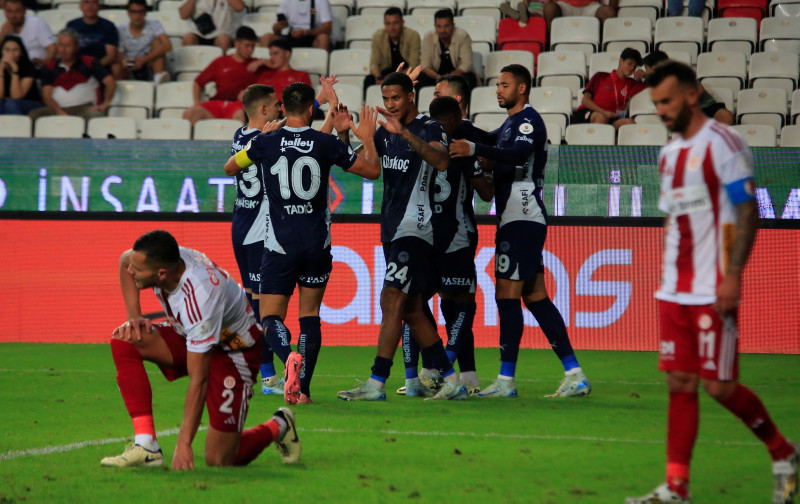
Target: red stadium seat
x: 742, y: 8
x: 743, y: 12
x: 530, y: 37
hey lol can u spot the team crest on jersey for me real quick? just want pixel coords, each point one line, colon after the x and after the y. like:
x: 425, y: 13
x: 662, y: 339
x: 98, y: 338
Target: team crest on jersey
x: 694, y: 163
x: 526, y: 128
x: 504, y: 246
x: 229, y: 382
x: 402, y: 257
x: 704, y: 322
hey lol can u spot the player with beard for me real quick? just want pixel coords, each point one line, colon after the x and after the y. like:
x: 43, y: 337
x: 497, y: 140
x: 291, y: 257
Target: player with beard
x: 708, y: 192
x: 520, y: 156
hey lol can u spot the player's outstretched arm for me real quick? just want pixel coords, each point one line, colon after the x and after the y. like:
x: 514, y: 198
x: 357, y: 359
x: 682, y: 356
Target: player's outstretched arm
x: 518, y: 152
x: 729, y: 291
x: 237, y: 163
x: 327, y: 125
x: 198, y: 365
x: 484, y: 186
x: 434, y: 153
x: 367, y: 164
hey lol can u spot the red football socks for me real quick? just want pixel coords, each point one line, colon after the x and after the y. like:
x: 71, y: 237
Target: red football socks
x: 683, y: 421
x: 134, y: 385
x: 748, y: 407
x: 253, y: 441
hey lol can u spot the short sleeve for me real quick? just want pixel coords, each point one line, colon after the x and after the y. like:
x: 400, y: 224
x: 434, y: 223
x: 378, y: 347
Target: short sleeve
x: 256, y: 148
x: 323, y: 12
x: 43, y: 34
x: 591, y: 86
x: 434, y: 132
x: 112, y: 36
x: 157, y: 28
x: 344, y: 155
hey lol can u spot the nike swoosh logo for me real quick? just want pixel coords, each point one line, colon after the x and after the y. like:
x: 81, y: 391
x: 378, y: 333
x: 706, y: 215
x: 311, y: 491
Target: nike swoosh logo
x: 150, y: 459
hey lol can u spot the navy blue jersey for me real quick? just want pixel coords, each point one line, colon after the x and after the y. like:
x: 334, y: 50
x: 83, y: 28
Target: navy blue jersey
x: 520, y: 155
x: 248, y: 222
x: 295, y: 165
x: 407, y: 179
x: 453, y: 216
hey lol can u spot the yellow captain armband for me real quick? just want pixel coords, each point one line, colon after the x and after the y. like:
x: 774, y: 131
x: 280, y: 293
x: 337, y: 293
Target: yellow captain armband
x: 242, y: 159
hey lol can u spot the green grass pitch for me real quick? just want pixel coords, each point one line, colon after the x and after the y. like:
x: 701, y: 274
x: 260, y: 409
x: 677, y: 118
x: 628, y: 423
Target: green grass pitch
x: 61, y: 412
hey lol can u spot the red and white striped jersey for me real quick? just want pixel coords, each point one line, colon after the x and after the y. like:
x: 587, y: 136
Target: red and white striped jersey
x: 208, y: 307
x: 699, y: 235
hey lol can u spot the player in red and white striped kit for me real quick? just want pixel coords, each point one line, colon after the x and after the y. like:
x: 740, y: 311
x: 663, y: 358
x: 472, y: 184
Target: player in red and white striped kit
x: 213, y: 337
x: 707, y: 188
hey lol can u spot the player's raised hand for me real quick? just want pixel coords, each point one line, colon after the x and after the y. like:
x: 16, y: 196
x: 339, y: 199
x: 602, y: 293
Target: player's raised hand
x: 273, y: 125
x: 132, y: 330
x: 366, y: 126
x: 413, y: 73
x: 459, y: 148
x: 327, y: 94
x: 392, y: 123
x: 341, y: 118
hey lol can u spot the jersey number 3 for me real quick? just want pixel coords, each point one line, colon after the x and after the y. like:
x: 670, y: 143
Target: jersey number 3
x: 295, y: 177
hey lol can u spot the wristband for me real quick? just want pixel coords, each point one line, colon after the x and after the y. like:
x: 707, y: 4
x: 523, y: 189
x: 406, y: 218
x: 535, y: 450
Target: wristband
x: 316, y: 103
x: 471, y: 147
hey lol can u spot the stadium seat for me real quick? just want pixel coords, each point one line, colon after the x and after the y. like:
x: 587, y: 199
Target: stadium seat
x: 166, y: 129
x: 733, y: 34
x: 174, y: 98
x: 116, y: 16
x: 531, y: 37
x: 215, y: 129
x: 258, y: 18
x: 378, y: 7
x: 762, y: 106
x: 491, y: 12
x: 192, y: 59
x: 795, y: 113
x: 780, y: 34
x: 311, y: 60
x: 57, y: 19
x: 622, y: 32
x: 555, y: 133
x: 651, y: 9
x: 361, y: 28
x: 554, y: 104
x: 498, y: 59
x: 790, y: 136
x: 169, y: 5
x: 480, y: 29
x: 374, y: 97
x: 419, y: 22
x: 642, y: 109
x: 424, y: 99
x: 723, y: 95
x: 757, y: 135
x: 351, y: 95
x: 643, y: 134
x: 776, y: 69
x: 424, y: 6
x: 477, y: 64
x: 603, y: 62
x: 755, y: 9
x: 57, y: 126
x: 339, y: 13
x: 680, y: 34
x: 575, y: 33
x: 563, y: 69
x: 172, y: 22
x: 132, y: 99
x: 119, y: 127
x: 723, y: 69
x: 15, y: 126
x: 350, y: 5
x: 490, y: 121
x: 590, y: 134
x: 482, y: 100
x: 682, y: 56
x: 784, y: 8
x: 476, y: 4
x: 349, y: 65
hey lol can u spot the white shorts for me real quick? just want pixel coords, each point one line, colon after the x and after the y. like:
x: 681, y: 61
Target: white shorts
x: 569, y: 10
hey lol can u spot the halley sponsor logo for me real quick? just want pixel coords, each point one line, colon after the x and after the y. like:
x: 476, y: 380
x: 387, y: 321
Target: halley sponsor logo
x: 298, y: 144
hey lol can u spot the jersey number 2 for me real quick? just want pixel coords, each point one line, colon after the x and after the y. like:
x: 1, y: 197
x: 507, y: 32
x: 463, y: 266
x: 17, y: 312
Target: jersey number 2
x: 282, y: 170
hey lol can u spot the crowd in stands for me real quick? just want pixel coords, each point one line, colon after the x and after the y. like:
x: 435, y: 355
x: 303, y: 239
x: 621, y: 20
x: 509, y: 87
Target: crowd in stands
x: 73, y: 72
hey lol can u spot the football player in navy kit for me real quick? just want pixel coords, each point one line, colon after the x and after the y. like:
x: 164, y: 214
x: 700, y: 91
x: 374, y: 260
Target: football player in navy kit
x: 519, y: 156
x: 455, y: 241
x: 410, y: 146
x: 295, y: 162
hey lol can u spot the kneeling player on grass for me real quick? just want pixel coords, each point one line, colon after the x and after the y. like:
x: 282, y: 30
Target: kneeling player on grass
x: 520, y: 156
x: 212, y: 337
x: 295, y: 163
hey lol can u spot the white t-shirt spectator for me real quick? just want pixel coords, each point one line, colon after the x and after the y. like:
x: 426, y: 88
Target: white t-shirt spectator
x: 298, y: 13
x: 36, y: 36
x: 226, y: 20
x: 136, y: 47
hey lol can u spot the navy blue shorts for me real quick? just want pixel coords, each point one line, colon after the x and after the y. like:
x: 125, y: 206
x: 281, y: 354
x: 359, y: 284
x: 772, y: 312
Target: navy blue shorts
x: 409, y: 265
x: 518, y: 250
x: 306, y: 268
x: 249, y: 258
x: 456, y: 271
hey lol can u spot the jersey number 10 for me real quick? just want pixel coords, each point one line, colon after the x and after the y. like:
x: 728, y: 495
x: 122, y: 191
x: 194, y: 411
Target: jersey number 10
x: 282, y: 170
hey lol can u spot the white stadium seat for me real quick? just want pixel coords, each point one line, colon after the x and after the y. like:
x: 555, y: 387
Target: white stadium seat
x: 795, y: 113
x: 762, y: 106
x: 480, y: 29
x: 642, y: 109
x: 15, y: 126
x: 483, y: 100
x: 57, y: 19
x: 643, y: 134
x: 374, y: 98
x: 575, y: 33
x: 607, y: 61
x: 174, y: 96
x: 490, y: 121
x: 362, y: 28
x: 780, y: 34
x: 193, y: 58
x: 119, y: 127
x: 57, y: 126
x: 215, y: 129
x: 132, y: 99
x: 590, y: 134
x: 166, y: 129
x: 563, y: 69
x: 757, y: 135
x: 554, y: 104
x: 622, y: 32
x: 311, y: 60
x: 498, y: 59
x: 650, y: 9
x: 775, y: 69
x: 723, y: 69
x: 349, y: 65
x: 424, y: 99
x: 680, y: 34
x: 790, y: 136
x: 733, y: 34
x: 377, y: 7
x: 172, y: 22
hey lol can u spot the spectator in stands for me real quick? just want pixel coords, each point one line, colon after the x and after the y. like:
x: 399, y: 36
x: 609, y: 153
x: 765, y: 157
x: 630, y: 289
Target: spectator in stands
x: 446, y: 50
x: 35, y: 33
x: 524, y: 10
x: 231, y: 75
x: 18, y: 91
x: 214, y: 22
x: 675, y: 7
x: 606, y: 95
x: 72, y: 84
x: 276, y: 71
x: 711, y: 107
x: 307, y: 23
x: 553, y: 9
x: 99, y: 38
x: 392, y: 45
x: 143, y: 45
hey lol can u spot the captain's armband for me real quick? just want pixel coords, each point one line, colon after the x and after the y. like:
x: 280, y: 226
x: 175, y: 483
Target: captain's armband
x: 242, y: 159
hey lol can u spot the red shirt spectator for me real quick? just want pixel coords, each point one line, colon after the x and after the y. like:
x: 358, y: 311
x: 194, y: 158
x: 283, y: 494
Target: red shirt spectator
x: 230, y: 74
x: 279, y: 79
x: 277, y: 72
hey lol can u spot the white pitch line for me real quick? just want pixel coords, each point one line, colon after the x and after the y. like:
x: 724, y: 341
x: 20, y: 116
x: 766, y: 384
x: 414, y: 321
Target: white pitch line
x: 48, y: 450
